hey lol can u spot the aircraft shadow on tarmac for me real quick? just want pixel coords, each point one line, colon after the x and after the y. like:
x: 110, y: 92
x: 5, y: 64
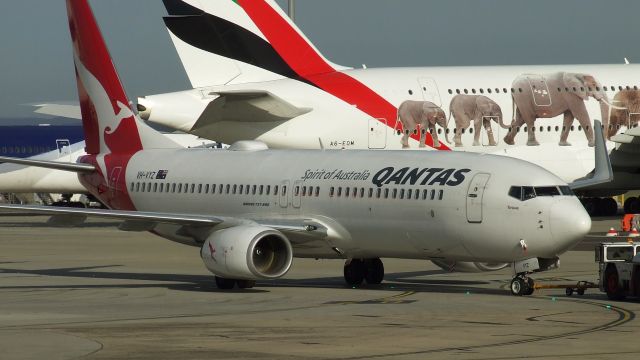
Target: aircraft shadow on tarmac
x: 402, y: 281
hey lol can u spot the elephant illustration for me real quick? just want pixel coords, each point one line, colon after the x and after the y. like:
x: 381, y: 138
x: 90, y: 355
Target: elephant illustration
x: 424, y: 113
x: 625, y: 111
x: 478, y: 108
x: 547, y: 96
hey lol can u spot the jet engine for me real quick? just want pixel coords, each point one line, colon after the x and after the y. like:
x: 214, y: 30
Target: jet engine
x: 467, y: 266
x: 247, y: 252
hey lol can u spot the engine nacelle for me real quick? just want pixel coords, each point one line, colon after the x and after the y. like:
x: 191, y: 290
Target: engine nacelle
x: 247, y: 252
x: 467, y: 266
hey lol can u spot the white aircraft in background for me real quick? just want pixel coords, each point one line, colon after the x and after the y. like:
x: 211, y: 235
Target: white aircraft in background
x: 250, y: 214
x: 255, y: 75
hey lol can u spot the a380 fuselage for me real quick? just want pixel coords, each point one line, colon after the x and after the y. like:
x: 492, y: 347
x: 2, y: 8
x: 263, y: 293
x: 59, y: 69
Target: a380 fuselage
x: 404, y: 204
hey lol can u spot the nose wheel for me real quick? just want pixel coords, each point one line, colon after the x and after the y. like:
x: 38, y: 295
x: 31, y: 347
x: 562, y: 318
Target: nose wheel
x: 522, y: 285
x: 356, y: 271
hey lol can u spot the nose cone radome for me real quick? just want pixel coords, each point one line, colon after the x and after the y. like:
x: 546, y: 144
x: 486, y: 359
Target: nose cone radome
x: 570, y: 223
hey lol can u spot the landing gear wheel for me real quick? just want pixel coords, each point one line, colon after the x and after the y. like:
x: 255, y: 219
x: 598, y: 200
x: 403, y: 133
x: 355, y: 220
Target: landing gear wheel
x: 590, y: 206
x: 246, y: 284
x: 631, y: 205
x: 225, y: 284
x: 610, y: 207
x: 580, y: 292
x: 568, y: 291
x: 530, y: 286
x: 374, y: 271
x: 518, y: 286
x: 612, y: 284
x: 354, y: 271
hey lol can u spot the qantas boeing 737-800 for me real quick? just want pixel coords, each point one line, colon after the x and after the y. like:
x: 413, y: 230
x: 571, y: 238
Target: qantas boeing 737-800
x: 256, y: 76
x: 251, y: 210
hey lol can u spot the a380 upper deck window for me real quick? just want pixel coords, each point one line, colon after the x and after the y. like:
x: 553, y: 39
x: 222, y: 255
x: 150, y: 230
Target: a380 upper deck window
x: 524, y: 193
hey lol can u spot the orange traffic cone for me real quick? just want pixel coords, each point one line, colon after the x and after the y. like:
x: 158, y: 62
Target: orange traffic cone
x: 634, y: 233
x: 612, y: 232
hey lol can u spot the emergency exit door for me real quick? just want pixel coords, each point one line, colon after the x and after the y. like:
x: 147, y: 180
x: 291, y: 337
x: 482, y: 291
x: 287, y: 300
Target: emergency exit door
x: 474, y: 197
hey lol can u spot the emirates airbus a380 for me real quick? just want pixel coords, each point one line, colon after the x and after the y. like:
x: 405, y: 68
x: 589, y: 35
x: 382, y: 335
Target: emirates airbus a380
x: 251, y: 210
x: 255, y: 75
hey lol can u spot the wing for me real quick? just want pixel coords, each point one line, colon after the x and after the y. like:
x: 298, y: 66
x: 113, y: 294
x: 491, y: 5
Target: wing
x: 298, y: 230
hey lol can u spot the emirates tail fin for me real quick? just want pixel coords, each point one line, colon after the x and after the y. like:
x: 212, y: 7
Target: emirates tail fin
x: 228, y: 42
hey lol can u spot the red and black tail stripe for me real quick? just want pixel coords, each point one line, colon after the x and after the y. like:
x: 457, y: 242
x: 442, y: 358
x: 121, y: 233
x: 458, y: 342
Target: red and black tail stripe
x: 219, y: 36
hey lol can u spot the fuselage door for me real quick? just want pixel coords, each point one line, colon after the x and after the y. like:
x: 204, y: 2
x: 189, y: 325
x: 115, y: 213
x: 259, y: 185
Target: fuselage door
x: 474, y: 197
x: 297, y: 189
x: 64, y: 148
x: 539, y: 90
x: 284, y: 193
x: 377, y: 133
x: 429, y: 90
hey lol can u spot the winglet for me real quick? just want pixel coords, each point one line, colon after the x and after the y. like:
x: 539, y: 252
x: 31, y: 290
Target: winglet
x: 602, y: 173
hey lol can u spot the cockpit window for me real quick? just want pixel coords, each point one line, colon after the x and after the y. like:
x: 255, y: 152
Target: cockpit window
x: 565, y: 190
x: 528, y: 193
x: 547, y: 191
x: 524, y: 193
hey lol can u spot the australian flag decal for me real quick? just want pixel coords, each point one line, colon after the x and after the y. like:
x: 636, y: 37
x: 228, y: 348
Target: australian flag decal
x: 162, y: 174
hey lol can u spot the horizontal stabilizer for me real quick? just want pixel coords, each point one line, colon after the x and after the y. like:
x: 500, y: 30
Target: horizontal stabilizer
x: 62, y: 110
x: 56, y: 165
x: 247, y: 106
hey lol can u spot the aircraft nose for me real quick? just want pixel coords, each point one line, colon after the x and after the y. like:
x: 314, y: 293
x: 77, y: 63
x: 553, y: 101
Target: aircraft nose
x: 569, y: 223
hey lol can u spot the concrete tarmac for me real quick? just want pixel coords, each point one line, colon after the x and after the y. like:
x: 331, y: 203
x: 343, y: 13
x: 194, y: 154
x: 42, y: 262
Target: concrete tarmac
x: 99, y: 293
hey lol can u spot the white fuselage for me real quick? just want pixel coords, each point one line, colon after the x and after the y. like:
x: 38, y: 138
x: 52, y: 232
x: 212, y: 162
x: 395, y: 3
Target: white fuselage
x: 337, y: 124
x: 455, y: 215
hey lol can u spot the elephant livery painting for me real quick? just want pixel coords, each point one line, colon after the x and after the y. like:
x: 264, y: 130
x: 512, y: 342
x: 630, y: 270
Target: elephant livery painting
x: 533, y: 96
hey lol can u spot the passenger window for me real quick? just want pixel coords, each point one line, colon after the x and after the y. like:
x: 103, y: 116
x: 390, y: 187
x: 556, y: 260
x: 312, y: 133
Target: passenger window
x: 346, y: 191
x: 378, y: 193
x: 133, y: 186
x: 402, y: 194
x: 295, y: 193
x: 370, y: 193
x: 155, y: 187
x: 440, y: 194
x: 220, y: 188
x: 361, y: 192
x: 275, y: 190
x: 386, y: 193
x: 416, y: 195
x: 253, y: 189
x: 240, y: 190
x: 424, y: 194
x: 395, y: 193
x: 148, y: 187
x: 339, y: 191
x: 173, y: 187
x: 137, y: 186
x: 228, y: 188
x: 262, y: 189
x: 304, y: 191
x: 317, y: 191
x: 409, y: 193
x: 200, y: 188
x: 142, y: 188
x: 235, y: 187
x: 247, y: 188
x: 331, y: 190
x: 284, y: 190
x: 268, y: 189
x: 433, y: 194
x: 355, y: 192
x: 206, y: 189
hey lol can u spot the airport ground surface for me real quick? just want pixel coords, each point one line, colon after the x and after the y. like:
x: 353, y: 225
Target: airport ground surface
x: 99, y: 293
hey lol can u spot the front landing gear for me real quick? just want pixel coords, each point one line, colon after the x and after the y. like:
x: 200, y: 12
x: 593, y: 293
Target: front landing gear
x: 358, y: 270
x: 522, y: 285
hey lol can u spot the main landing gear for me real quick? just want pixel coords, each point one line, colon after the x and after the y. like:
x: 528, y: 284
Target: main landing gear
x: 358, y: 270
x: 522, y: 285
x: 228, y: 284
